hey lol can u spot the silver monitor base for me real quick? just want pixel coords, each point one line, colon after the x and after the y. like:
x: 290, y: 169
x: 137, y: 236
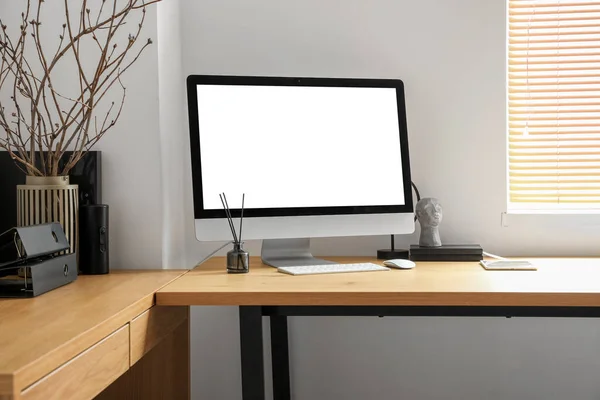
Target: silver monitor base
x: 289, y: 252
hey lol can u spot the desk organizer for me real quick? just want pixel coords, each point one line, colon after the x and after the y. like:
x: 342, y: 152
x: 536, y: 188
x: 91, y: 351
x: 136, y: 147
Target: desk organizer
x: 32, y: 260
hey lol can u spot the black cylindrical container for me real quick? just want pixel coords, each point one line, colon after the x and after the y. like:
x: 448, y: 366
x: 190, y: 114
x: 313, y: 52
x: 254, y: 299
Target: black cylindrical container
x: 93, y: 239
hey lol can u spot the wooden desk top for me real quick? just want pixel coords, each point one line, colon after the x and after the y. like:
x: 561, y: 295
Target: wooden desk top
x: 558, y: 282
x: 39, y: 334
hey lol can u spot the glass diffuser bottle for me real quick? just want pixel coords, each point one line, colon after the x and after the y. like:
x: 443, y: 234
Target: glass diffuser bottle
x: 238, y: 259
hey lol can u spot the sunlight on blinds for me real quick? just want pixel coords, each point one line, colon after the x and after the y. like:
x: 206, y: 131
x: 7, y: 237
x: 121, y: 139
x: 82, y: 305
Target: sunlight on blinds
x: 554, y: 104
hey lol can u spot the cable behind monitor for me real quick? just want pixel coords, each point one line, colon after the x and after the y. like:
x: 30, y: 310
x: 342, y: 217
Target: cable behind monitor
x: 392, y: 252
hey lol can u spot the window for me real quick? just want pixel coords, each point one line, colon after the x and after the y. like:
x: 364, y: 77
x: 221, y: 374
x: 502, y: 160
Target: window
x: 554, y: 104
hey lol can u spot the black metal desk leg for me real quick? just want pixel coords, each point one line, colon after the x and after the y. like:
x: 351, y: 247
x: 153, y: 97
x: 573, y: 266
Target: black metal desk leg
x: 280, y: 357
x: 253, y: 370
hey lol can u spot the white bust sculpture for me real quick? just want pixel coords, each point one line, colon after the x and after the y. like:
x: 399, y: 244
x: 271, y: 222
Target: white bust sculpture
x: 429, y: 214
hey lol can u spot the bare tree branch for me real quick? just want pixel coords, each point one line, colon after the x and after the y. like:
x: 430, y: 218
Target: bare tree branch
x: 41, y: 121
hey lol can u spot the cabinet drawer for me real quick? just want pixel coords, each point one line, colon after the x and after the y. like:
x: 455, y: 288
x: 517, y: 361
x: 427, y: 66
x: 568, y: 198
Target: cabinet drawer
x: 86, y: 375
x: 149, y: 328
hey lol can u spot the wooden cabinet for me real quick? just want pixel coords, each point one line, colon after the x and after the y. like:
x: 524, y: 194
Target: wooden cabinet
x: 160, y: 359
x: 98, y: 337
x: 87, y: 374
x: 148, y: 329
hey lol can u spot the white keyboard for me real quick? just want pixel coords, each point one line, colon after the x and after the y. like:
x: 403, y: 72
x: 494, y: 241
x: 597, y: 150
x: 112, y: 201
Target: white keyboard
x: 331, y: 268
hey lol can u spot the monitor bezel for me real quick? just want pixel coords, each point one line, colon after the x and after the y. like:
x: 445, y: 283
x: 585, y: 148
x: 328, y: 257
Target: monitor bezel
x: 200, y: 213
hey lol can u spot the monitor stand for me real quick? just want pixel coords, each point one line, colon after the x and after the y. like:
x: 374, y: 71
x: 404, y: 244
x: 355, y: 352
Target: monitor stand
x: 289, y: 252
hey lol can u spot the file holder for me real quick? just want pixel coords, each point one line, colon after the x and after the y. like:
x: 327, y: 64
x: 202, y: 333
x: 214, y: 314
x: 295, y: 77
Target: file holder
x: 31, y: 262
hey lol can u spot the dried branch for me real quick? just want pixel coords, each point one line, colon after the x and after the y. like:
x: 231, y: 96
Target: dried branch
x: 41, y: 121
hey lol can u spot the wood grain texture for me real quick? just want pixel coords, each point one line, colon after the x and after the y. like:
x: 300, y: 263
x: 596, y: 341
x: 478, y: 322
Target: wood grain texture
x: 162, y: 374
x: 558, y: 282
x: 7, y: 390
x: 151, y: 327
x: 40, y: 334
x: 87, y: 374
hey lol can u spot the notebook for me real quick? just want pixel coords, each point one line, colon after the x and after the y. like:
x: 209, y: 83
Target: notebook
x: 508, y: 265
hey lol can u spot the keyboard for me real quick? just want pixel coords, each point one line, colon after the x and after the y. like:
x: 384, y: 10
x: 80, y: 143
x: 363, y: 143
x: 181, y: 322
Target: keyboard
x: 331, y: 268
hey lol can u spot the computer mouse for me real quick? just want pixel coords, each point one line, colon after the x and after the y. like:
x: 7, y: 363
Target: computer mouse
x: 399, y: 264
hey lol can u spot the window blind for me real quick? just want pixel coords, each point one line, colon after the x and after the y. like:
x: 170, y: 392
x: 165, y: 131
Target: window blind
x: 554, y: 104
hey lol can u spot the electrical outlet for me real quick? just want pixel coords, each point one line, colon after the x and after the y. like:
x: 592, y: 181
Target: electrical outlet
x: 504, y: 220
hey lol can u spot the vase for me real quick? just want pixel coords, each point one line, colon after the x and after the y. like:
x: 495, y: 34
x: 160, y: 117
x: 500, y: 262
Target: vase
x: 45, y: 199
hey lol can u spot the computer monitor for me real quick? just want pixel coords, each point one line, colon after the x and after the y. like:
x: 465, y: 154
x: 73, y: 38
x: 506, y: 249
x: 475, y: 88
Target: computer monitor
x: 315, y: 157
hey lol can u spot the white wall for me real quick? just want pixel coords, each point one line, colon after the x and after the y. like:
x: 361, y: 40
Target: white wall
x: 131, y: 166
x: 451, y: 56
x: 131, y: 170
x: 173, y: 127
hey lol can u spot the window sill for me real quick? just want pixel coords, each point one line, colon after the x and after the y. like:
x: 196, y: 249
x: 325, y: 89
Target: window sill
x: 553, y: 212
x: 552, y: 219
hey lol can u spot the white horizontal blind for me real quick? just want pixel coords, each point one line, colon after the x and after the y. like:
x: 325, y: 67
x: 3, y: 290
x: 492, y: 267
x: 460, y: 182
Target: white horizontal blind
x: 554, y: 104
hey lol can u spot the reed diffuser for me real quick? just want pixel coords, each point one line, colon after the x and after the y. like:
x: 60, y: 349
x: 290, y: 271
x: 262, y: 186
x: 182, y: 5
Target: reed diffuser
x: 238, y: 259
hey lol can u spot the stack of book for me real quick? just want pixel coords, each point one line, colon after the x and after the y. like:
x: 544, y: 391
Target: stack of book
x: 447, y: 252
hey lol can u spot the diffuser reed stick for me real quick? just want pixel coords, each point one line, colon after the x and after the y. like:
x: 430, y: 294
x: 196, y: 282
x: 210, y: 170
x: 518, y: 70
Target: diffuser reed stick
x: 238, y: 260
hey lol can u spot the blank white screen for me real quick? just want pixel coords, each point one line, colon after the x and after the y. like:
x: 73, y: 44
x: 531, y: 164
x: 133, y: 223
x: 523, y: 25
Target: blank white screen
x: 290, y: 146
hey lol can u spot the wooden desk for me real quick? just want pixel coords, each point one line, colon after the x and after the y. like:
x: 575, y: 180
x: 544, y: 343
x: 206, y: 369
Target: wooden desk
x: 561, y: 287
x: 98, y: 336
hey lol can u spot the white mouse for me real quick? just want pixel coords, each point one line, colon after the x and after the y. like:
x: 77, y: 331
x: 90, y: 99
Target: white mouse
x: 399, y: 263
